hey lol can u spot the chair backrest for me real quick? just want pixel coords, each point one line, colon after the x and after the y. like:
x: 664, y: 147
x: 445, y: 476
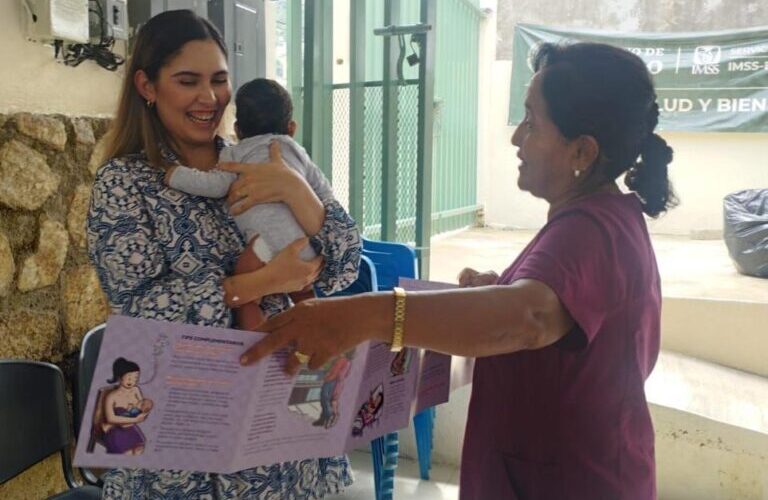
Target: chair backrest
x: 392, y: 260
x: 89, y: 354
x: 33, y: 415
x: 367, y: 280
x: 99, y: 419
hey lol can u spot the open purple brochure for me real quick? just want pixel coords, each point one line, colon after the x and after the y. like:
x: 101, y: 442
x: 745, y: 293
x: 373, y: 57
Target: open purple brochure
x: 181, y: 400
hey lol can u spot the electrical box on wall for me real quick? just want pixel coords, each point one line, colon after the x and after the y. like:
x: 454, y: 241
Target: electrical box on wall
x: 116, y: 17
x: 48, y: 20
x: 241, y: 22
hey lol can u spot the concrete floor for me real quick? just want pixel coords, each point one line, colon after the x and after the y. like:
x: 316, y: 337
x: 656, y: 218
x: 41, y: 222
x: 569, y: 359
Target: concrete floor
x: 706, y: 301
x: 443, y: 484
x: 689, y: 268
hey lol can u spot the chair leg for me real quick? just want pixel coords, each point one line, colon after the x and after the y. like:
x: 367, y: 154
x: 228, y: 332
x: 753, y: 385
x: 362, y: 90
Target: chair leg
x: 377, y: 453
x: 424, y: 424
x: 392, y: 449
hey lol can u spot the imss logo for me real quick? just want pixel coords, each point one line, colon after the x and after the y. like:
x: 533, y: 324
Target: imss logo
x: 707, y: 54
x: 706, y: 60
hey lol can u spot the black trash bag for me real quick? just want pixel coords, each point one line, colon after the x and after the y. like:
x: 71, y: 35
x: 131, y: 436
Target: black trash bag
x: 746, y: 230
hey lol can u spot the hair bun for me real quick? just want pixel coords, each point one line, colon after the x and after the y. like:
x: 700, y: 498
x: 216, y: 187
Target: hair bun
x: 656, y: 151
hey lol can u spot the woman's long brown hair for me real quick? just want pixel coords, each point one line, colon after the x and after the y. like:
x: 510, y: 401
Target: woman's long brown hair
x: 136, y: 126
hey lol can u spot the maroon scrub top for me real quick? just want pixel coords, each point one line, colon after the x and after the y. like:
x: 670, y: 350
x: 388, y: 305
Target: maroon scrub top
x: 570, y: 421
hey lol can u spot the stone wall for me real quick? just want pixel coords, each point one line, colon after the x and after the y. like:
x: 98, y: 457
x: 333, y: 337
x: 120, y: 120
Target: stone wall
x: 49, y: 293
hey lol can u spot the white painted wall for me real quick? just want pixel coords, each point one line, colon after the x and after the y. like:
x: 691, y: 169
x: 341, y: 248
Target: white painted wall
x: 270, y: 39
x: 485, y: 103
x: 707, y: 166
x: 34, y: 82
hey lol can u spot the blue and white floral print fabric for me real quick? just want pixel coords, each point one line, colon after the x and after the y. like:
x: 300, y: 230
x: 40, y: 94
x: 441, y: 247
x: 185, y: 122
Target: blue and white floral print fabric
x: 162, y: 254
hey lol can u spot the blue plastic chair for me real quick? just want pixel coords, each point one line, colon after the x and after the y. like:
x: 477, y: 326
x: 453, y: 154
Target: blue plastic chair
x: 424, y: 427
x: 384, y: 453
x: 381, y: 266
x: 367, y: 280
x: 394, y: 261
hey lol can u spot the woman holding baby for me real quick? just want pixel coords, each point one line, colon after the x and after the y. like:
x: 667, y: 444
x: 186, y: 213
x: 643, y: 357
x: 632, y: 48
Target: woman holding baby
x: 163, y: 254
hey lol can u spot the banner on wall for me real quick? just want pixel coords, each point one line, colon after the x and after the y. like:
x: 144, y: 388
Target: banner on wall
x: 705, y: 82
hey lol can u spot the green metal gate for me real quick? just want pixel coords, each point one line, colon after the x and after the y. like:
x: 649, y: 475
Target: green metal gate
x: 398, y: 141
x: 454, y: 201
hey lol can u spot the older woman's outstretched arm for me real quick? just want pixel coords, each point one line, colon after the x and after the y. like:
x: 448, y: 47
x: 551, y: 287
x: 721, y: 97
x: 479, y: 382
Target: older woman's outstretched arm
x: 473, y: 322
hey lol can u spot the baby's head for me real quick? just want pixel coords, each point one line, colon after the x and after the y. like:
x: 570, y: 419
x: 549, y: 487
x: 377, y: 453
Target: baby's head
x: 263, y: 107
x: 146, y: 405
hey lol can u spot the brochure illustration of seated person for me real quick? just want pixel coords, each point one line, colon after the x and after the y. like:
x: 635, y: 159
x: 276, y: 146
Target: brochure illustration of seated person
x: 174, y: 396
x: 120, y: 408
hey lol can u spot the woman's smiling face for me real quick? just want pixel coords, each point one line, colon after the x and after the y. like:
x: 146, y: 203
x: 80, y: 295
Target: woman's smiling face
x: 129, y: 380
x: 191, y: 92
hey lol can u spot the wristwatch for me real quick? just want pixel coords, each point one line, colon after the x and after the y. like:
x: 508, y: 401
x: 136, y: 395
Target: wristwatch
x: 397, y: 334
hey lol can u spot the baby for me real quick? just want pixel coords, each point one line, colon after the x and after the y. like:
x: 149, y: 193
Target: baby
x: 145, y: 406
x: 264, y: 114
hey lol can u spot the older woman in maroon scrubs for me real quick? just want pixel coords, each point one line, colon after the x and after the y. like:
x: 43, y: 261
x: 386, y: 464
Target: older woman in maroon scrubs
x: 570, y: 331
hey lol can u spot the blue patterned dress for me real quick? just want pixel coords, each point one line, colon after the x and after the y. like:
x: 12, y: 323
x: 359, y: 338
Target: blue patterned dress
x: 162, y: 254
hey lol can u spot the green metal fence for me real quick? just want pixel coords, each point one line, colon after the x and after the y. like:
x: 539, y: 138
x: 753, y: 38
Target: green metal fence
x: 454, y: 164
x: 357, y: 152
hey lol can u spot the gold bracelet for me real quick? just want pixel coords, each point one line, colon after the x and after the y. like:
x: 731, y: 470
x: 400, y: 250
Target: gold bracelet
x: 397, y: 334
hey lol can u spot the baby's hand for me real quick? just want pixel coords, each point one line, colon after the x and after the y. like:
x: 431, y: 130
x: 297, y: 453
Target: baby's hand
x: 168, y: 174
